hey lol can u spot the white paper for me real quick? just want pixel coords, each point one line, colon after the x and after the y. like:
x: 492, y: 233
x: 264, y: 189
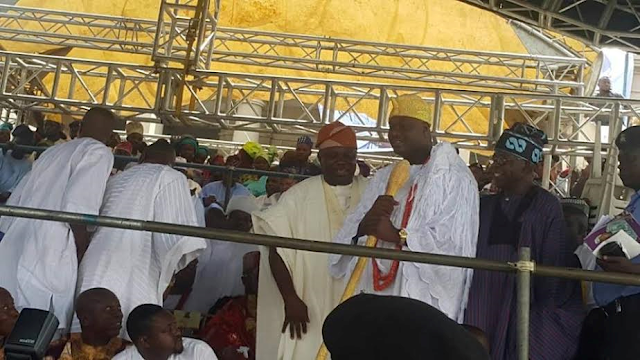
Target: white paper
x: 604, y: 220
x: 629, y: 245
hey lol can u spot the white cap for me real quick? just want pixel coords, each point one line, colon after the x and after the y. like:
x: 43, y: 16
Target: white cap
x: 245, y: 203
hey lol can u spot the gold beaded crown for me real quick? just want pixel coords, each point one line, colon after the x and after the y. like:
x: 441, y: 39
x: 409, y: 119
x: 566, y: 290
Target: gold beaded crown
x: 412, y: 106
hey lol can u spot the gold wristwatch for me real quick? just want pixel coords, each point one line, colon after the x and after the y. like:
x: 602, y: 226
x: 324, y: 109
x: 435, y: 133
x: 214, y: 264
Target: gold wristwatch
x: 403, y: 236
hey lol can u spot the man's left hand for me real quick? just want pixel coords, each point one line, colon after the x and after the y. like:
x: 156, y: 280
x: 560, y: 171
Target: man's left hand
x: 385, y: 231
x: 618, y: 264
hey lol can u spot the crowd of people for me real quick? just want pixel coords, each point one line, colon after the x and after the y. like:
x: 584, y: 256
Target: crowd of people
x: 128, y: 294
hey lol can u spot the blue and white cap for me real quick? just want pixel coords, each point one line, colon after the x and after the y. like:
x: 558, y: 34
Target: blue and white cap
x: 524, y: 141
x: 305, y: 140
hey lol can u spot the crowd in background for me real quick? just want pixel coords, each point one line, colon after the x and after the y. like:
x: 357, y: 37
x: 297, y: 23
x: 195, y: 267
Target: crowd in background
x: 221, y: 200
x: 115, y: 287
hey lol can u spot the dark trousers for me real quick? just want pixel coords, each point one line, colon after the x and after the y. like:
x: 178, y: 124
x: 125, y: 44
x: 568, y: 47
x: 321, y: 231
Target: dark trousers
x: 612, y: 332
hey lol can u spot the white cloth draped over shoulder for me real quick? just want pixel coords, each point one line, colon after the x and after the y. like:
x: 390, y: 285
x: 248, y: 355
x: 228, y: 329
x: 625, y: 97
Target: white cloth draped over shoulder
x: 444, y: 220
x: 193, y: 350
x: 138, y: 266
x: 38, y: 260
x: 198, y: 206
x: 219, y: 270
x: 310, y: 210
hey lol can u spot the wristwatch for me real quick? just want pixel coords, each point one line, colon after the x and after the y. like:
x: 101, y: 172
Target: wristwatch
x: 403, y: 236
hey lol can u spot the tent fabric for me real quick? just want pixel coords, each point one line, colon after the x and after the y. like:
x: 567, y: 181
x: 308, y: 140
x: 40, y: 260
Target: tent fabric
x: 414, y: 22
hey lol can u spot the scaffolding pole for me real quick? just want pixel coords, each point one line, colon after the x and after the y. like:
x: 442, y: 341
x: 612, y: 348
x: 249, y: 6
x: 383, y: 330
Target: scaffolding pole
x: 525, y: 268
x: 319, y: 246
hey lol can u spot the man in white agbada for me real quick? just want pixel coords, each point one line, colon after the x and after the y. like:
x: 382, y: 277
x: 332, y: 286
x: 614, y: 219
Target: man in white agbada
x: 138, y: 266
x: 39, y: 259
x: 435, y: 212
x: 219, y: 271
x: 292, y: 309
x: 156, y: 336
x: 272, y: 195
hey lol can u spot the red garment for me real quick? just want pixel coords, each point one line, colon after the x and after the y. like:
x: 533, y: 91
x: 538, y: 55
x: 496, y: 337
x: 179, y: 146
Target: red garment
x: 233, y: 326
x: 210, y: 176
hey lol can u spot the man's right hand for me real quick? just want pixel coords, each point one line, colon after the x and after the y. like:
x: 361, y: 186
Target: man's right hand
x: 233, y: 162
x: 4, y: 197
x: 209, y: 200
x: 381, y: 209
x: 296, y: 317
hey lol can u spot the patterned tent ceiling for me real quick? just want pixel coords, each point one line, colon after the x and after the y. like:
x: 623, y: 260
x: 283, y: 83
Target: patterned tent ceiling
x: 598, y: 22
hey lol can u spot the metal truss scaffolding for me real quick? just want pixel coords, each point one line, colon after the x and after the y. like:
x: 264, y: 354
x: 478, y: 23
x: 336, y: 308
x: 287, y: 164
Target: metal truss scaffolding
x: 598, y: 22
x: 168, y: 41
x: 185, y: 32
x: 69, y: 86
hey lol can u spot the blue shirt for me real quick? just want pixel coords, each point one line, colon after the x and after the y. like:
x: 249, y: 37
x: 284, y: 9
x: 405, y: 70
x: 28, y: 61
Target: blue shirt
x: 606, y: 293
x: 218, y: 190
x: 12, y: 170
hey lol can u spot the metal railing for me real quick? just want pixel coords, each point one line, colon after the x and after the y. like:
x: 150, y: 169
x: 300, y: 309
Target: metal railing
x: 525, y: 268
x: 228, y: 170
x: 290, y: 105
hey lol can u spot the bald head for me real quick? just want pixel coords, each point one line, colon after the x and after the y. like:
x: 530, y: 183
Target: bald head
x: 5, y: 296
x: 87, y: 301
x: 8, y: 313
x: 98, y: 123
x: 99, y: 313
x: 604, y: 84
x: 160, y: 152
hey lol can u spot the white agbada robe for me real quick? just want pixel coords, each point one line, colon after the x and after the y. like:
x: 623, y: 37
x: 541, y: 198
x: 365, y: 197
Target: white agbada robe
x: 444, y: 220
x: 193, y: 350
x: 310, y: 210
x: 219, y: 274
x: 219, y: 271
x: 198, y: 206
x: 264, y: 201
x: 138, y: 266
x: 38, y: 259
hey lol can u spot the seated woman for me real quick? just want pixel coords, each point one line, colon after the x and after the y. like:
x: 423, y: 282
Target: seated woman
x: 259, y: 187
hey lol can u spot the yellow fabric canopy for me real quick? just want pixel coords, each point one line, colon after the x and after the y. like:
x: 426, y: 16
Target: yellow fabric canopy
x: 435, y: 23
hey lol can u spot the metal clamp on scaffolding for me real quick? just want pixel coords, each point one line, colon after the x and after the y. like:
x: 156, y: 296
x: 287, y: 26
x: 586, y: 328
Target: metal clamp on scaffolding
x: 522, y: 265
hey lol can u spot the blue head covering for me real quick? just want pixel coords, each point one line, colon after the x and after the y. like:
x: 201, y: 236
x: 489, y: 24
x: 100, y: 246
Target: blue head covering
x: 305, y: 140
x: 188, y: 141
x: 523, y: 141
x: 202, y: 150
x: 5, y: 126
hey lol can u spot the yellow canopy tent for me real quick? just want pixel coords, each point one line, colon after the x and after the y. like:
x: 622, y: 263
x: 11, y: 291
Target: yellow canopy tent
x: 441, y: 23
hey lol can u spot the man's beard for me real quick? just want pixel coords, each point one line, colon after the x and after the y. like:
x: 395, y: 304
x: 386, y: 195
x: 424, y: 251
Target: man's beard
x: 179, y: 347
